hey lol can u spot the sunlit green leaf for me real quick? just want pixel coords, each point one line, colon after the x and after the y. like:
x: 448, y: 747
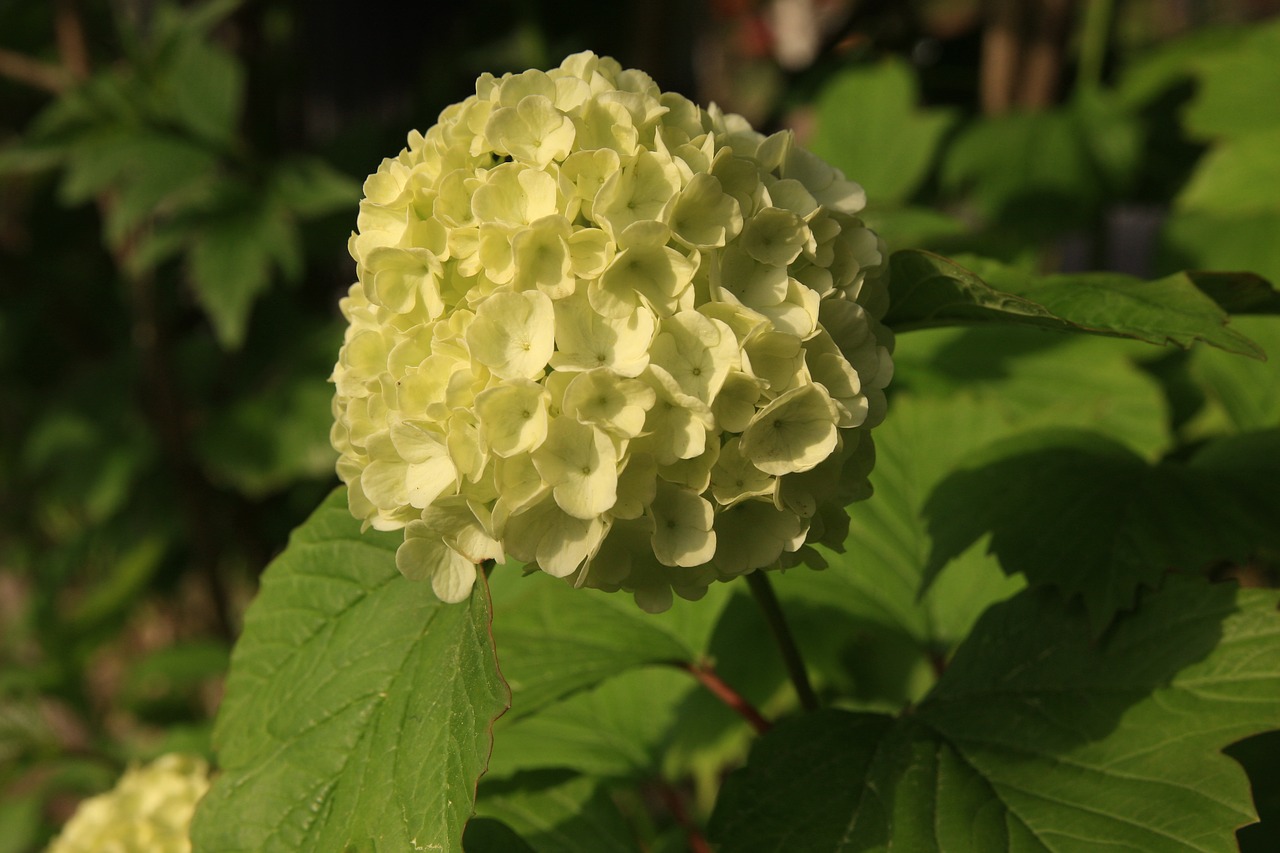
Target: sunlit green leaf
x: 358, y: 710
x: 1247, y: 391
x: 1233, y: 97
x: 1238, y: 177
x: 1165, y: 64
x: 929, y: 290
x: 1224, y: 242
x: 614, y: 730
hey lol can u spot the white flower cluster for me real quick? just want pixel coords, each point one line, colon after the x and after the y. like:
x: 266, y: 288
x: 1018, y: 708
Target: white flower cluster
x: 620, y: 338
x: 149, y: 809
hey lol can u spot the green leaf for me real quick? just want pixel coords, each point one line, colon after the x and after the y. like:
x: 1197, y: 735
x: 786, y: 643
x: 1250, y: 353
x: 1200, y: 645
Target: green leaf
x: 146, y: 169
x: 557, y: 640
x: 308, y: 186
x: 490, y: 835
x: 960, y: 389
x: 929, y: 290
x: 1037, y: 738
x: 1090, y: 518
x: 870, y: 127
x: 1237, y: 177
x: 1154, y: 71
x: 271, y: 437
x: 554, y: 812
x: 1024, y: 164
x: 231, y: 261
x: 170, y: 676
x: 1236, y: 92
x: 20, y: 815
x: 1224, y: 242
x: 1238, y: 293
x: 1246, y: 391
x: 1017, y: 378
x: 616, y: 729
x: 202, y: 88
x: 358, y: 710
x: 911, y: 227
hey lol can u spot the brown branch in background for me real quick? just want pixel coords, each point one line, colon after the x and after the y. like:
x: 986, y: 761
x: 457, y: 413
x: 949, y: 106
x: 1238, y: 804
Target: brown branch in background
x: 1001, y: 55
x: 32, y: 72
x: 1022, y: 49
x: 1042, y: 55
x: 69, y: 33
x: 707, y: 677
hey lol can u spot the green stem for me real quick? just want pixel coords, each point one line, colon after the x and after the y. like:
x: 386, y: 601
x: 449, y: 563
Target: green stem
x: 1095, y: 33
x: 762, y: 589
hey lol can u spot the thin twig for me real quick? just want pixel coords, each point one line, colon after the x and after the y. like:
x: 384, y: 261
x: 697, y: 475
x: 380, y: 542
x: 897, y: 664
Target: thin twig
x: 1001, y: 56
x: 708, y: 678
x: 762, y: 589
x: 1042, y: 53
x: 32, y: 72
x: 693, y: 833
x: 72, y: 47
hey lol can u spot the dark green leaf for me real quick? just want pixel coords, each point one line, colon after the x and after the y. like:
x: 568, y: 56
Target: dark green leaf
x: 308, y: 187
x: 557, y: 813
x: 271, y: 437
x: 1024, y: 164
x: 1037, y: 738
x: 144, y: 168
x: 869, y: 126
x: 231, y: 262
x: 1239, y: 292
x: 929, y: 290
x: 202, y: 87
x: 359, y: 708
x: 490, y: 835
x: 1090, y: 518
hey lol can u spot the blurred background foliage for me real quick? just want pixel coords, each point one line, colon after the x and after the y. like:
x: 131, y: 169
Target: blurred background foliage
x: 177, y: 182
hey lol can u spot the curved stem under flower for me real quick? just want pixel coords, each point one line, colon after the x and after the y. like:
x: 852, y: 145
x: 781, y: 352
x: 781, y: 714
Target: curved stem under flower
x: 764, y: 595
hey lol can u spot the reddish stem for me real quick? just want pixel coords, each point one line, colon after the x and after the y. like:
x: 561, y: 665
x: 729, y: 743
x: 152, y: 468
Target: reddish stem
x: 707, y: 677
x: 693, y: 833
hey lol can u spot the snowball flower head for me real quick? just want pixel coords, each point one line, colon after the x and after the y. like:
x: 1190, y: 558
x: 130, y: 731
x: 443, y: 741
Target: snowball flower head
x: 149, y: 809
x: 625, y: 340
